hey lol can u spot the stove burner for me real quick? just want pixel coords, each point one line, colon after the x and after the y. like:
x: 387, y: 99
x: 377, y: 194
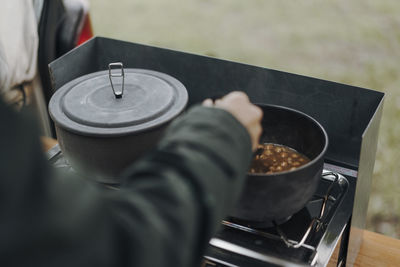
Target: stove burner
x: 293, y: 240
x: 316, y: 223
x: 258, y: 225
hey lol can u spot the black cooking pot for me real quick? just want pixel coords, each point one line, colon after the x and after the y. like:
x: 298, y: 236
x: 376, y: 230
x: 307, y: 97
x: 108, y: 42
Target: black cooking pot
x: 269, y: 198
x: 107, y: 119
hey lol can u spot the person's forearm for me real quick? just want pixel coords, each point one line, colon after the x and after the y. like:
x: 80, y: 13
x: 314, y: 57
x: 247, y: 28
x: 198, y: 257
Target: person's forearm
x: 201, y: 164
x: 163, y: 215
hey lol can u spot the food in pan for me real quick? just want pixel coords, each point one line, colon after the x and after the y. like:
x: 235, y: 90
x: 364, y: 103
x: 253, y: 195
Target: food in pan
x: 273, y: 158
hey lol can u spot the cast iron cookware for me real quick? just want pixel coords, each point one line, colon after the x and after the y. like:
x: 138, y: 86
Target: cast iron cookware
x: 107, y: 119
x: 269, y: 198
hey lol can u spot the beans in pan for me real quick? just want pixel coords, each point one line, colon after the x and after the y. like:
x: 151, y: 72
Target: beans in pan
x: 273, y: 158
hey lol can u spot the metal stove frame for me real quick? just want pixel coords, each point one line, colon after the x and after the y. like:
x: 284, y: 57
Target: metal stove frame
x: 333, y: 221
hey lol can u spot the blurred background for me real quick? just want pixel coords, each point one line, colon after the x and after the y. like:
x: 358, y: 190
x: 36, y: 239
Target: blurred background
x: 353, y: 42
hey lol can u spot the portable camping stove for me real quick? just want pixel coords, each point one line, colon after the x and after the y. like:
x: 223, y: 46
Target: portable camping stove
x: 308, y: 238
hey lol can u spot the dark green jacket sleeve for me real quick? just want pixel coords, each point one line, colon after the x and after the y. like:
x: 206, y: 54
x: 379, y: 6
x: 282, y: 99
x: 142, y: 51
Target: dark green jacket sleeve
x: 166, y: 210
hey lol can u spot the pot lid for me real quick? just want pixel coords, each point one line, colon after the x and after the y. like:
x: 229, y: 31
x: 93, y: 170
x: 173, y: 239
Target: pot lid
x: 117, y: 102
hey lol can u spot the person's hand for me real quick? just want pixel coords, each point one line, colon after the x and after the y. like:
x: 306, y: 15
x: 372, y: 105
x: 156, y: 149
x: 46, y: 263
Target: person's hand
x: 238, y: 104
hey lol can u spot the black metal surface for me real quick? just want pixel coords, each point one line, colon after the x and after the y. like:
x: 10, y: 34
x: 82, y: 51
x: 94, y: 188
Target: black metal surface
x: 343, y: 110
x: 364, y: 179
x: 277, y: 196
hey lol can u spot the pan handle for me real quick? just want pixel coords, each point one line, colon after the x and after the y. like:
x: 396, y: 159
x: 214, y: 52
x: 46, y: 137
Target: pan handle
x: 116, y: 65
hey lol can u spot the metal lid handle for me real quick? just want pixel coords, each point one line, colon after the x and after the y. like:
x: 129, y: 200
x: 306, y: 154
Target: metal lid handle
x: 116, y: 65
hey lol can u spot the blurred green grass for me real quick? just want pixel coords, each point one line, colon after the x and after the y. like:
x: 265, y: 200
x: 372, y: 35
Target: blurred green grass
x: 353, y: 42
